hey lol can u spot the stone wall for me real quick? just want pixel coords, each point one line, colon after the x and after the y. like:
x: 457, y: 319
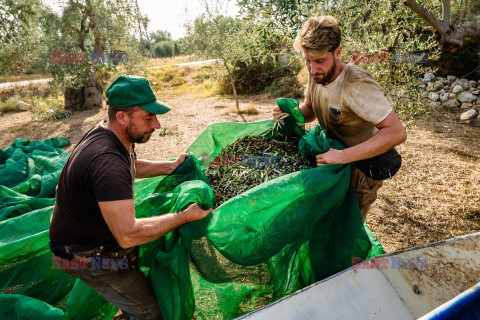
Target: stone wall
x: 455, y: 93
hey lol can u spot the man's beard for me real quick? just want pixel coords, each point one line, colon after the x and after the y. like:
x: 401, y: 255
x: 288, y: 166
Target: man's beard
x: 328, y: 76
x: 136, y: 137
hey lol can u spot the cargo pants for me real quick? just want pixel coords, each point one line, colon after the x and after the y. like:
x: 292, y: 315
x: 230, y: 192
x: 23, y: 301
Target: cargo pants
x: 366, y: 190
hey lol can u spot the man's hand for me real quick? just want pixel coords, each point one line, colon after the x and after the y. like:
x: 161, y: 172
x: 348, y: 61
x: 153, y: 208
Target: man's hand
x: 390, y: 134
x: 277, y: 113
x: 194, y: 213
x: 181, y: 158
x: 147, y: 169
x: 332, y: 156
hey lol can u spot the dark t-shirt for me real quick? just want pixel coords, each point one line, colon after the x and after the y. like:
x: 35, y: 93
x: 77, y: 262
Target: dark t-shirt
x: 99, y: 169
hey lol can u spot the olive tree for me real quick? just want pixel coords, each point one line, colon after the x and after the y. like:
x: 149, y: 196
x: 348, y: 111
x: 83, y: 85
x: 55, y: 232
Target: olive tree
x: 18, y: 34
x: 451, y: 37
x: 216, y: 37
x: 85, y: 41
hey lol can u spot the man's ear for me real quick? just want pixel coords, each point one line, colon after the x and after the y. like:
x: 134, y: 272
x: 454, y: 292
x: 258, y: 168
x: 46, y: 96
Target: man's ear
x: 338, y: 52
x: 122, y: 118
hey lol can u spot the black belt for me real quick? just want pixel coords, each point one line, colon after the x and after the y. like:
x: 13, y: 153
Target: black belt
x: 68, y: 251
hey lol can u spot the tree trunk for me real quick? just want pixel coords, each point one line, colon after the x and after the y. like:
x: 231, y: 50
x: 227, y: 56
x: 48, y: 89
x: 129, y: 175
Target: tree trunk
x: 139, y: 17
x: 74, y: 98
x: 232, y: 81
x: 148, y: 40
x: 87, y: 97
x: 451, y: 37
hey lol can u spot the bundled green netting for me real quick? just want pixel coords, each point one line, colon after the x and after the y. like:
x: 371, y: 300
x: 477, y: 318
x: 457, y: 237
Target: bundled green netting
x: 257, y: 247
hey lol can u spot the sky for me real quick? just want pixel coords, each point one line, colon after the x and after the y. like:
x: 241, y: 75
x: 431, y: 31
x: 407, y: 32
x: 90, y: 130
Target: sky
x: 171, y: 15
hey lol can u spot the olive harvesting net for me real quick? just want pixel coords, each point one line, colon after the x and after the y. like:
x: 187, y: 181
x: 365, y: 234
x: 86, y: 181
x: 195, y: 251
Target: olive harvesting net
x: 295, y: 226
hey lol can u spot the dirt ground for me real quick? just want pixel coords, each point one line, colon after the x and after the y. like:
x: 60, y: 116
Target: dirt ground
x: 435, y: 196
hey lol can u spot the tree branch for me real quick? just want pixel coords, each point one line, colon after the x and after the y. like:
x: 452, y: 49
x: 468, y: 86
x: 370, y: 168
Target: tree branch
x: 441, y: 27
x: 410, y: 34
x: 399, y: 33
x: 446, y: 12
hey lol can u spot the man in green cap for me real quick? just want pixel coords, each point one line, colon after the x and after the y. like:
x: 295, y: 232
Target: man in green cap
x: 93, y: 223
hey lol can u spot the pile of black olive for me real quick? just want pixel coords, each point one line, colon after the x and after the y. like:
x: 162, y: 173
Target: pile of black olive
x: 250, y: 161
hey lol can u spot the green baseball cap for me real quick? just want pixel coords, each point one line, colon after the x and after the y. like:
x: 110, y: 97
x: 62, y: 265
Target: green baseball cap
x: 128, y: 91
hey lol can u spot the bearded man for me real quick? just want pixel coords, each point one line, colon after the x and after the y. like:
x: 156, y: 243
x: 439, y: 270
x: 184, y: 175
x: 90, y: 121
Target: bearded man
x: 348, y: 102
x: 94, y: 215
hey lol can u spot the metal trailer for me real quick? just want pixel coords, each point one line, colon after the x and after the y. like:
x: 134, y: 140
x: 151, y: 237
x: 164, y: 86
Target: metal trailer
x: 435, y: 281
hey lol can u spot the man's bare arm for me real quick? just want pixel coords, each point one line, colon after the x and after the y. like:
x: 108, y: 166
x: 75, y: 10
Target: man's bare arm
x: 305, y: 107
x: 390, y: 134
x: 147, y: 169
x: 129, y: 231
x: 307, y: 110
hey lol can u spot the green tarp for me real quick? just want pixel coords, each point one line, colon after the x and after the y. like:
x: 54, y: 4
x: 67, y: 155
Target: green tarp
x: 257, y: 247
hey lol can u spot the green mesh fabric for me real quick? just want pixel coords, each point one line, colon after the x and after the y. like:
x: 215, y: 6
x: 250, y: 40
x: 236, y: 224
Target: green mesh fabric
x: 266, y: 243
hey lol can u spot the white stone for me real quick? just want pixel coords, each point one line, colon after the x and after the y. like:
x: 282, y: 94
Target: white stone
x: 452, y: 95
x: 475, y: 92
x: 466, y: 105
x: 431, y: 87
x: 428, y: 77
x: 444, y: 97
x: 472, y: 83
x: 23, y: 105
x: 470, y: 114
x: 457, y: 89
x: 466, y: 85
x: 466, y: 97
x: 452, y: 103
x: 434, y: 104
x: 433, y: 96
x: 451, y: 78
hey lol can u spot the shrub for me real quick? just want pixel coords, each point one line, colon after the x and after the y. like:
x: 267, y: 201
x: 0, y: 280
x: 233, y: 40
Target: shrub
x: 49, y: 110
x: 10, y: 105
x: 164, y: 49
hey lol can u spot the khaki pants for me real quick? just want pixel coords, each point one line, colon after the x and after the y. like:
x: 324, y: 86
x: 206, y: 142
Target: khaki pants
x: 366, y: 190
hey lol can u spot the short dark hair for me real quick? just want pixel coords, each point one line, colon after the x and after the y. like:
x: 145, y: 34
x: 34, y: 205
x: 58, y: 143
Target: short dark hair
x: 112, y: 111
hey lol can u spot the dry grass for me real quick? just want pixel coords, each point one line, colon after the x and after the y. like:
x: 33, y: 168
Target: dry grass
x: 26, y: 93
x: 436, y: 194
x: 168, y: 61
x: 249, y: 109
x: 11, y: 105
x: 22, y: 77
x: 177, y: 80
